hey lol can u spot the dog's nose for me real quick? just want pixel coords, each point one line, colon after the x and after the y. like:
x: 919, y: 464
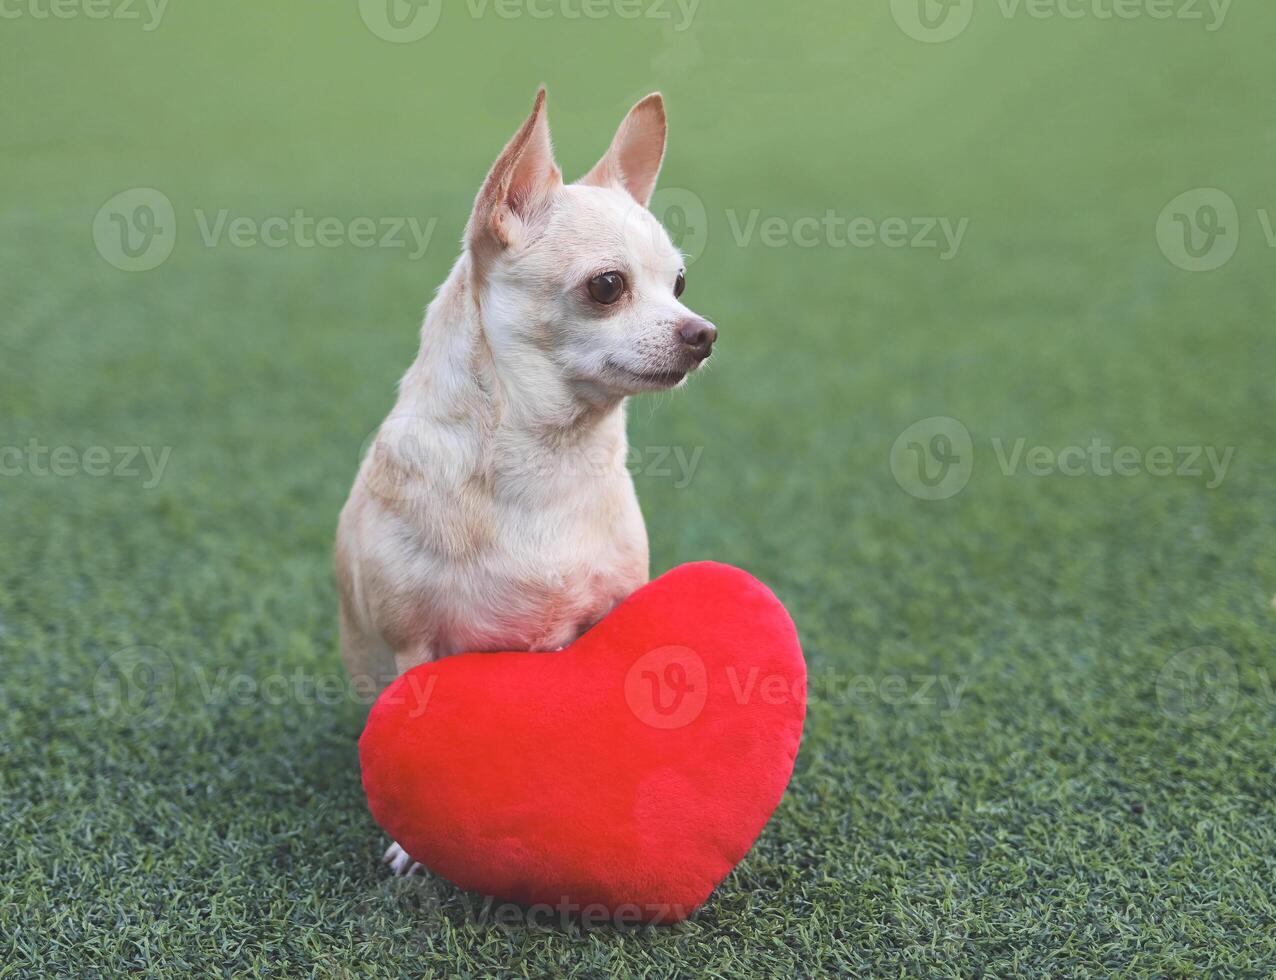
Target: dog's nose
x: 698, y: 334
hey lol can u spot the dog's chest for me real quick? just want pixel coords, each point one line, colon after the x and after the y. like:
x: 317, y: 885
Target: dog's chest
x: 551, y: 572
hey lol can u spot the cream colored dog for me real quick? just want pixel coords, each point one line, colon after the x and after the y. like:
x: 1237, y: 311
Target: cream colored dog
x: 494, y: 510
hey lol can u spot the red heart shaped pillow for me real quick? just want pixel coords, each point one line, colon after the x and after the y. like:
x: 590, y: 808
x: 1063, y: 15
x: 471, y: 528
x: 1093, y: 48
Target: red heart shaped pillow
x: 629, y: 772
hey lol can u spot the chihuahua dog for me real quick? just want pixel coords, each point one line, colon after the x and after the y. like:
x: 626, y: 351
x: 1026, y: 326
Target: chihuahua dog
x: 494, y: 509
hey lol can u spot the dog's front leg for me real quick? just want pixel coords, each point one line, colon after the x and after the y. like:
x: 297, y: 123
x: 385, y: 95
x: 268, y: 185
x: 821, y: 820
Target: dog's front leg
x: 422, y: 652
x: 399, y: 860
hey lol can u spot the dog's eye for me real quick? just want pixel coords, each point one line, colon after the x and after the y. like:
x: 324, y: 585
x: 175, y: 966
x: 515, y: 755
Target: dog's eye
x: 680, y: 284
x: 607, y: 288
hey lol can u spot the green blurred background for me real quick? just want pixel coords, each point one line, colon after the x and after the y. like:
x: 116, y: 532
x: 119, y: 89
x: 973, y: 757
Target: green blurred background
x: 1097, y: 795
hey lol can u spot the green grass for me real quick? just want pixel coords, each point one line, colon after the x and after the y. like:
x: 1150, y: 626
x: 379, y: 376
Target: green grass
x: 1093, y: 800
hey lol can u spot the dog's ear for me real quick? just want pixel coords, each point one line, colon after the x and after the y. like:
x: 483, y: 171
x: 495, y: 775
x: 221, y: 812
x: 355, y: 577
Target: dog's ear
x: 632, y: 163
x: 516, y: 192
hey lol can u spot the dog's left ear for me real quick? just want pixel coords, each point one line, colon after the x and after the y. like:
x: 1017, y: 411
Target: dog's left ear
x: 632, y: 163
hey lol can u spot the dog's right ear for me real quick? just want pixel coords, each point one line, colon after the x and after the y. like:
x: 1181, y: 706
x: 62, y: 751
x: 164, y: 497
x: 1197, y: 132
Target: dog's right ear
x: 516, y: 193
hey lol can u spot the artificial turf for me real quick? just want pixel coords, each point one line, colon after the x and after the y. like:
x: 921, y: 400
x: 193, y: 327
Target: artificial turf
x: 1040, y: 737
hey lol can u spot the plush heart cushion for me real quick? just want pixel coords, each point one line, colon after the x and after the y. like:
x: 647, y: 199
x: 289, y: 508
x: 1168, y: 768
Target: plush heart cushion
x: 628, y: 773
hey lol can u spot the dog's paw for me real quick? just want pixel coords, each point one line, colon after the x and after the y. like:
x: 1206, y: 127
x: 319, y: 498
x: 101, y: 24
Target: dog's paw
x: 400, y: 861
